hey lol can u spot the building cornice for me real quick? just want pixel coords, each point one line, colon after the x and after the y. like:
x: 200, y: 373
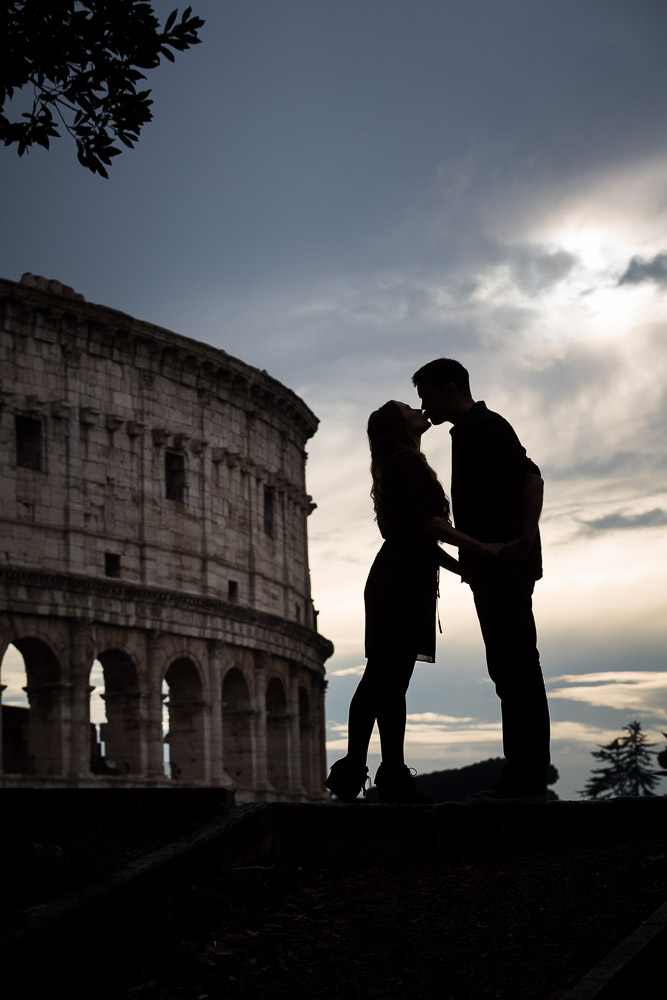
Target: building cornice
x: 104, y: 589
x: 42, y: 308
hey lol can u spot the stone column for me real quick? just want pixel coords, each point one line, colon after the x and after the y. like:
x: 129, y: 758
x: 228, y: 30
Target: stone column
x: 189, y: 737
x: 80, y: 661
x: 122, y: 733
x: 295, y: 763
x: 4, y: 643
x: 318, y: 733
x: 45, y: 727
x: 2, y: 763
x: 153, y: 721
x: 261, y: 774
x: 215, y: 752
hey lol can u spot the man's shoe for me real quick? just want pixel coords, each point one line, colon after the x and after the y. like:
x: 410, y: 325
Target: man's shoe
x: 346, y: 780
x: 502, y: 794
x: 397, y: 784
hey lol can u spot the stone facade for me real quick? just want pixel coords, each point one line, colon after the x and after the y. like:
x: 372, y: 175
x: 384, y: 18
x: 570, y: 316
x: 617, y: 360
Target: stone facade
x: 154, y: 509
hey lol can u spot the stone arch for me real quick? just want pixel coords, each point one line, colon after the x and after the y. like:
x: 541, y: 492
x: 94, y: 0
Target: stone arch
x: 187, y: 720
x: 277, y: 735
x: 46, y: 699
x: 122, y: 732
x: 305, y: 740
x: 237, y: 728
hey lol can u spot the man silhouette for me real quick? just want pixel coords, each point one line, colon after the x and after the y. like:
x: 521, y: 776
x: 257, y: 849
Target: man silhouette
x: 496, y: 495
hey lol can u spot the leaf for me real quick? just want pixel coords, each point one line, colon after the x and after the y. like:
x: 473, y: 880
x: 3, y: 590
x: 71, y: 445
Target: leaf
x: 84, y: 60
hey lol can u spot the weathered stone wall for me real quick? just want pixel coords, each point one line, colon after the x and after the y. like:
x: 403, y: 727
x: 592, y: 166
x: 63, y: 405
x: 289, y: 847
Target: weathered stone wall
x: 154, y: 507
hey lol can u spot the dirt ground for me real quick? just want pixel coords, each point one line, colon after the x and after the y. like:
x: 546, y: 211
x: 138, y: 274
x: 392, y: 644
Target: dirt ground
x: 522, y: 927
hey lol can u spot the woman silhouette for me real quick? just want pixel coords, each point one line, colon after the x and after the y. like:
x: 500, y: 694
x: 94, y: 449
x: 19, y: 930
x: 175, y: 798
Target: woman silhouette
x: 412, y: 513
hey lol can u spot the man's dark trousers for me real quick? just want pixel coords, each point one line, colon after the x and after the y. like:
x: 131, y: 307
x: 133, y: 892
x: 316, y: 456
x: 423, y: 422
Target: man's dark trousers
x: 504, y: 609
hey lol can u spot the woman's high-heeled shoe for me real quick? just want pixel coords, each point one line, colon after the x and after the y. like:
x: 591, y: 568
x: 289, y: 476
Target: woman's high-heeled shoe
x: 346, y: 780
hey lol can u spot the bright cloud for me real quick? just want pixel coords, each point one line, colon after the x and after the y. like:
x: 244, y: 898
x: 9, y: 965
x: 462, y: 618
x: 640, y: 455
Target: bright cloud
x: 641, y: 692
x: 347, y: 671
x: 428, y: 733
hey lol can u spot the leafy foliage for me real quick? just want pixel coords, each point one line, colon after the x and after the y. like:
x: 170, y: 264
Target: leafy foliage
x: 83, y: 60
x: 627, y: 766
x: 662, y: 756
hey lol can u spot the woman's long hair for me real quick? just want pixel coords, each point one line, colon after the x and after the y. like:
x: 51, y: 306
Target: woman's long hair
x: 388, y: 433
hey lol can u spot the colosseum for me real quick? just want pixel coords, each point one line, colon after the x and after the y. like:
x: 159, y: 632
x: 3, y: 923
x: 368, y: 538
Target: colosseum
x: 154, y: 507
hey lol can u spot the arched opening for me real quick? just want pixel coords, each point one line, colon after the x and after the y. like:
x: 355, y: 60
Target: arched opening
x: 277, y: 735
x: 15, y: 714
x: 305, y: 728
x: 187, y: 734
x: 46, y: 695
x: 237, y: 718
x: 121, y: 733
x: 100, y: 761
x: 166, y: 755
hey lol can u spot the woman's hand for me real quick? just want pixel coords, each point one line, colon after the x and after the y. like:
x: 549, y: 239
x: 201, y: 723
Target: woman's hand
x: 493, y: 548
x: 438, y: 527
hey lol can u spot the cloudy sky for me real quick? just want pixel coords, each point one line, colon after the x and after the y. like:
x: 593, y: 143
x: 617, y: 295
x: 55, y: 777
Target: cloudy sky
x: 339, y: 192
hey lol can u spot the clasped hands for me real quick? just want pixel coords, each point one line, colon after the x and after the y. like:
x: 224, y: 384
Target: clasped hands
x: 515, y: 551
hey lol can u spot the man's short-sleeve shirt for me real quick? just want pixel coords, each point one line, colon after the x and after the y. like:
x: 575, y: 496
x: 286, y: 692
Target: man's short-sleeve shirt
x: 489, y: 465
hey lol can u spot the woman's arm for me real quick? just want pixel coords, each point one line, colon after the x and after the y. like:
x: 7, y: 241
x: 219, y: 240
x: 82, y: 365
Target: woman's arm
x: 448, y: 562
x: 441, y: 529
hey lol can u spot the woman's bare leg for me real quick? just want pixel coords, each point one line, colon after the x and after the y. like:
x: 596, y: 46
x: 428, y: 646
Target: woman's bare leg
x: 380, y: 695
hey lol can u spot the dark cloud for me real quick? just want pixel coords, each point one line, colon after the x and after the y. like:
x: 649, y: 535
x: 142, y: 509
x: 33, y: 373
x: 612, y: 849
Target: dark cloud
x: 639, y: 270
x: 656, y: 518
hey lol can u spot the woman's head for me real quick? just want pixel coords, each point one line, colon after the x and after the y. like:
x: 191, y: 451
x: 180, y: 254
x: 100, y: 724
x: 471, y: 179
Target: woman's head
x: 393, y: 427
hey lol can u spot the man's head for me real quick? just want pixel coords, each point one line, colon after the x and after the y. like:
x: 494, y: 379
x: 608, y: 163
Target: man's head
x: 444, y: 389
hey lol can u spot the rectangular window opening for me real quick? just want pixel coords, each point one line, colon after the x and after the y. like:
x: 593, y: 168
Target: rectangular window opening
x: 233, y: 592
x: 174, y: 471
x: 111, y: 564
x: 29, y: 443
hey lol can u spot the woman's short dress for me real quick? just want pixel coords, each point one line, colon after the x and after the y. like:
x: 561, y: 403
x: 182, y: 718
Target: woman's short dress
x: 401, y: 589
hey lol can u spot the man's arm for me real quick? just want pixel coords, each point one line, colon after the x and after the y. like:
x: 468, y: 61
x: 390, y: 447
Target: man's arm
x: 532, y: 496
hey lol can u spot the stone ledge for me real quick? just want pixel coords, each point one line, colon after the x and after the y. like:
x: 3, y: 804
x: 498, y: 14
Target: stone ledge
x: 334, y: 835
